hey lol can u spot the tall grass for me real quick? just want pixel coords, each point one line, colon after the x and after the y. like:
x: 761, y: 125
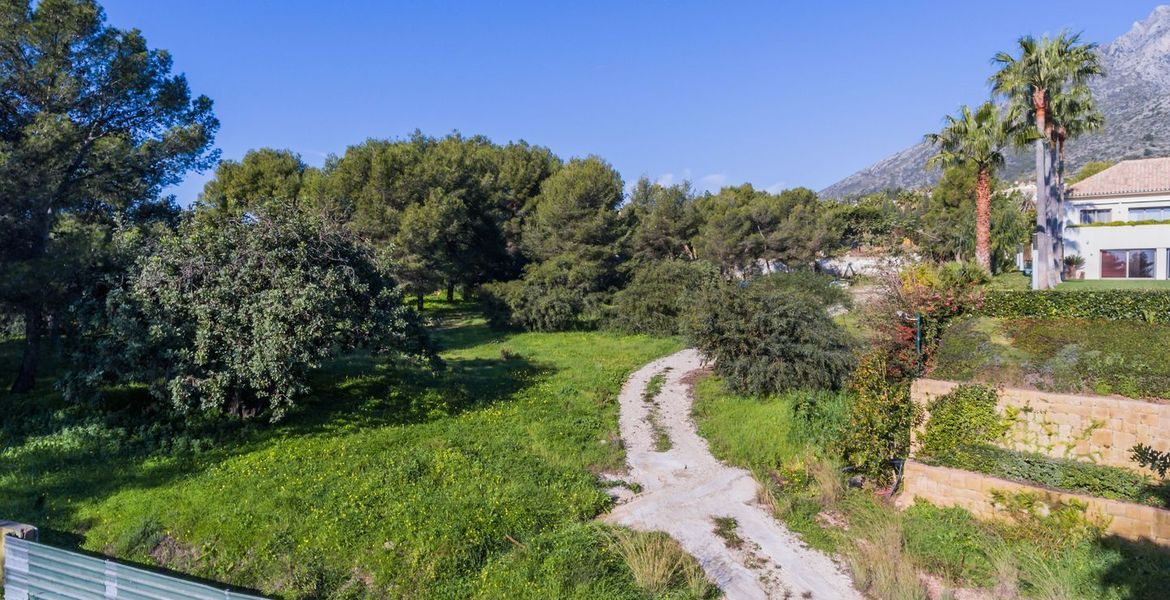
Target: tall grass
x: 658, y: 563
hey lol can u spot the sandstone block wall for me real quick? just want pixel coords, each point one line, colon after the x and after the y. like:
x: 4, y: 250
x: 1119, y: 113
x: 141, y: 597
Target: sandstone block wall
x: 1099, y: 429
x: 943, y: 486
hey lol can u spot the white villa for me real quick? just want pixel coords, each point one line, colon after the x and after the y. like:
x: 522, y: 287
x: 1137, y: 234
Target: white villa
x: 1119, y: 221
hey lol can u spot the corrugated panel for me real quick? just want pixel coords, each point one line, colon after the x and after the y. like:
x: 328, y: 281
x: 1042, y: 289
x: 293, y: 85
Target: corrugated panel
x: 35, y: 571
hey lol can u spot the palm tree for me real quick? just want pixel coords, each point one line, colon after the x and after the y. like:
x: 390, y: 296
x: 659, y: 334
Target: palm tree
x: 1072, y: 114
x: 1032, y: 80
x: 978, y: 139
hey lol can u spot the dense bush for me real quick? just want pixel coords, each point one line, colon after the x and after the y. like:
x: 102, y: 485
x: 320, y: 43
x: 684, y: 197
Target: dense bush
x: 656, y: 298
x: 936, y: 293
x: 230, y: 317
x: 880, y: 420
x: 965, y: 417
x: 764, y: 337
x: 1064, y: 474
x: 1151, y: 306
x: 559, y: 294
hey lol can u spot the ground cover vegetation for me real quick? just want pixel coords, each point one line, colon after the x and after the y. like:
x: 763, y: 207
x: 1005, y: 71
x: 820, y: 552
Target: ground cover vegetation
x: 1070, y: 355
x: 786, y: 440
x: 387, y: 479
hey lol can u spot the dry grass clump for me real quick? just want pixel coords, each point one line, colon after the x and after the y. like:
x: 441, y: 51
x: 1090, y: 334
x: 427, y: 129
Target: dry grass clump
x: 657, y: 563
x: 879, y: 564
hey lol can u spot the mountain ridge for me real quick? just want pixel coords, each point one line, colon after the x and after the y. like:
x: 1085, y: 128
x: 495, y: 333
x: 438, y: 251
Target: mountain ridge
x: 1134, y: 98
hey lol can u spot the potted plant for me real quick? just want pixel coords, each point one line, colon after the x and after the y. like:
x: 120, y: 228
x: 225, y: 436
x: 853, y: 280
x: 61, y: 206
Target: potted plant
x: 1072, y: 264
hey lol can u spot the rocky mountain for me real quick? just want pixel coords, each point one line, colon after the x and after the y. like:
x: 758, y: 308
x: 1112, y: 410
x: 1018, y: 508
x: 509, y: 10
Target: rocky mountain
x: 1134, y: 98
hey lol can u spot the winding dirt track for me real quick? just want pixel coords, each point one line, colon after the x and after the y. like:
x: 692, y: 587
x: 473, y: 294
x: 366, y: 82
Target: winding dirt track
x: 685, y: 488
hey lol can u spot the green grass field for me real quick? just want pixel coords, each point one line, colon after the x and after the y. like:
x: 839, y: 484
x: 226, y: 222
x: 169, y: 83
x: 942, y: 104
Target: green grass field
x: 1019, y: 281
x: 1115, y: 284
x: 480, y: 481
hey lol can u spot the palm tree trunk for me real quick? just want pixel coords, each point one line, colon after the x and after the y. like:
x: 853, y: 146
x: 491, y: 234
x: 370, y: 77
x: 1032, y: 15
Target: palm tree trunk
x: 983, y: 220
x: 1042, y: 238
x: 1055, y: 220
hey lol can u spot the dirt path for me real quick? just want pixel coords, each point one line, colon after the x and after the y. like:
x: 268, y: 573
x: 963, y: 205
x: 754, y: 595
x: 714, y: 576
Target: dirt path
x: 684, y: 490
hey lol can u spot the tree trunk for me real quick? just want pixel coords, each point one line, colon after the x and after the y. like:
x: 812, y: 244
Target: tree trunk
x: 983, y: 220
x: 1055, y: 220
x: 419, y: 302
x: 27, y: 377
x: 1042, y: 239
x: 450, y: 292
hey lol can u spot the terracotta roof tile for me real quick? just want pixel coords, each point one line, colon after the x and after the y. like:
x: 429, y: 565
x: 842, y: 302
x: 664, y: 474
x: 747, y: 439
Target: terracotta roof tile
x: 1126, y: 177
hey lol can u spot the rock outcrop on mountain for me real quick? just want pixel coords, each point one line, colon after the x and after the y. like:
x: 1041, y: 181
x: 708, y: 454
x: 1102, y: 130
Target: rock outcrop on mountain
x: 1134, y: 98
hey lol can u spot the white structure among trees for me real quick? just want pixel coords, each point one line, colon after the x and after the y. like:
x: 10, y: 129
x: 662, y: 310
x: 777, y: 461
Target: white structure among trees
x: 1118, y: 221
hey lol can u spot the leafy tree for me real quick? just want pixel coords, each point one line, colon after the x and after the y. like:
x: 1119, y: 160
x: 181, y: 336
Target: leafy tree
x: 880, y: 419
x: 433, y: 242
x: 765, y: 336
x: 230, y: 319
x: 658, y: 296
x: 976, y: 138
x: 1046, y: 69
x: 947, y: 224
x: 94, y: 125
x: 745, y: 230
x: 664, y: 221
x: 376, y: 183
x: 558, y: 294
x: 573, y: 235
x: 576, y: 212
x: 263, y: 177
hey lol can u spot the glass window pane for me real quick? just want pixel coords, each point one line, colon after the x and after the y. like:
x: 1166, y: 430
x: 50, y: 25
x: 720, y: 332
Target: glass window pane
x: 1113, y: 263
x: 1149, y: 213
x: 1141, y: 263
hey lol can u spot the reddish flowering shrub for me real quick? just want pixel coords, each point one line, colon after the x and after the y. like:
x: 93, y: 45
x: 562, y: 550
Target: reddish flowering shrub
x: 936, y: 293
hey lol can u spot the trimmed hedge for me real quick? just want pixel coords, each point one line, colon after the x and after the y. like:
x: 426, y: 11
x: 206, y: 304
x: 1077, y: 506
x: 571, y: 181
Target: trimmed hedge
x: 1152, y: 306
x: 1102, y: 481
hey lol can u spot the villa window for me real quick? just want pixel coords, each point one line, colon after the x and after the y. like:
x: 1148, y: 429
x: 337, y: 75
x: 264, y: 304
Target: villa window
x: 1132, y: 264
x: 1096, y: 215
x: 1150, y: 213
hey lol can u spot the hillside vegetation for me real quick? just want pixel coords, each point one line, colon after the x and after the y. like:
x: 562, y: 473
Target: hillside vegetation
x: 391, y: 481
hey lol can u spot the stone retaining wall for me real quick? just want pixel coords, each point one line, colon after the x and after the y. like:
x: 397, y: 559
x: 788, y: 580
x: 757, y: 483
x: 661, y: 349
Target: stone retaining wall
x: 943, y: 486
x: 1099, y: 429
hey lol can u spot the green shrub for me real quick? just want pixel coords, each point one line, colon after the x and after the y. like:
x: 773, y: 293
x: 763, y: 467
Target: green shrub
x: 1069, y: 475
x: 560, y: 294
x: 230, y: 317
x: 1152, y: 306
x: 656, y: 298
x: 880, y: 420
x: 764, y: 338
x: 963, y: 418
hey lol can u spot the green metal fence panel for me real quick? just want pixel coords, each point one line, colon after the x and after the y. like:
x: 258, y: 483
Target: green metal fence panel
x: 34, y: 571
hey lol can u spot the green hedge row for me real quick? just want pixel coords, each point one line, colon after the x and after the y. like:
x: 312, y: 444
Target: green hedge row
x: 1152, y: 306
x: 1086, y: 478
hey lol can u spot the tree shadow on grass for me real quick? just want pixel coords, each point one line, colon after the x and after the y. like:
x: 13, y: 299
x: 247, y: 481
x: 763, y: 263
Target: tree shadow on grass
x: 1143, y: 571
x: 359, y: 391
x: 56, y: 457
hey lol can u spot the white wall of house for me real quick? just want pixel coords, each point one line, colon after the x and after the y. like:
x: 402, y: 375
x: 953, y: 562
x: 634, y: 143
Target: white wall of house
x: 1090, y: 242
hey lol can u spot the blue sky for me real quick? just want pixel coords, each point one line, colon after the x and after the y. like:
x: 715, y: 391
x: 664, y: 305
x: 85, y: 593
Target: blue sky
x: 776, y: 94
